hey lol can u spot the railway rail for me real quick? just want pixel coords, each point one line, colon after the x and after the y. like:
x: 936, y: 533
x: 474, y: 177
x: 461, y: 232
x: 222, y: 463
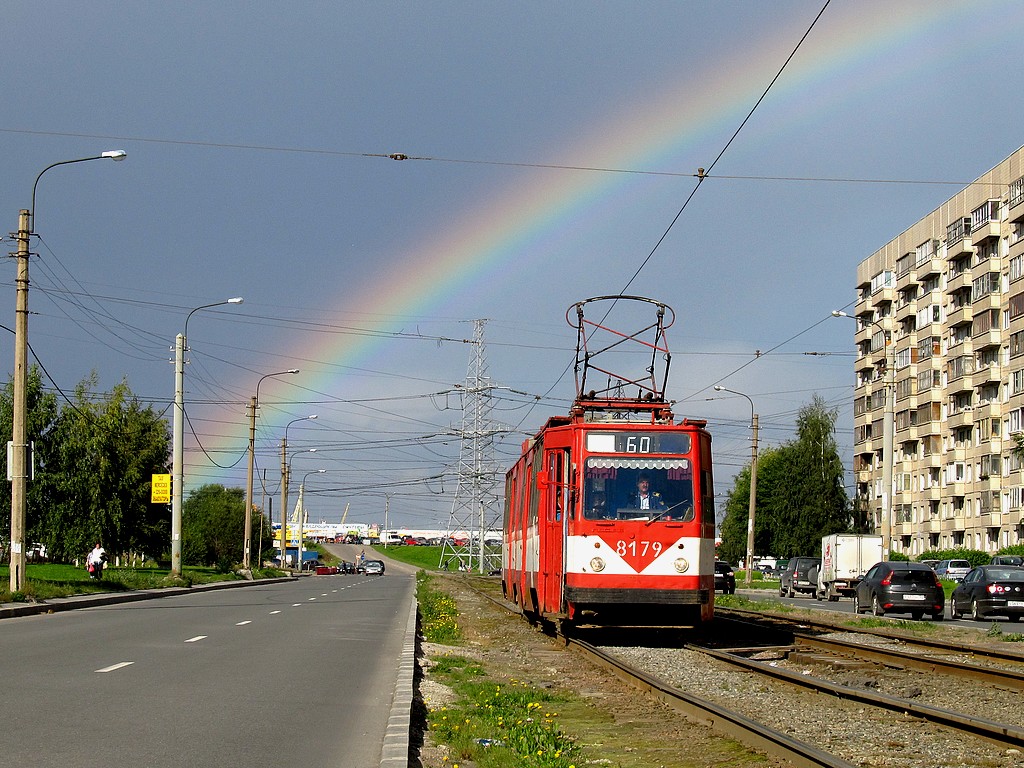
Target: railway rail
x: 775, y: 737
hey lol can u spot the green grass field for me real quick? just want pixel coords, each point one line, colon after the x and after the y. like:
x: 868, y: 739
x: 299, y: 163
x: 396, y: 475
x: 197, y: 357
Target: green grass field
x: 45, y: 581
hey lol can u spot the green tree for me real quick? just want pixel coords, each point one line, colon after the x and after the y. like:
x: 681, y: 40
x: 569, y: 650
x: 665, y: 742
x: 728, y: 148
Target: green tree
x: 800, y: 493
x: 95, y: 482
x: 213, y: 526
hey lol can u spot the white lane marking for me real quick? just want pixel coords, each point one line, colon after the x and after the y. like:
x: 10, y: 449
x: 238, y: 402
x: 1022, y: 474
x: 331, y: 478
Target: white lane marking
x: 243, y: 623
x: 114, y: 667
x: 323, y: 594
x: 312, y: 598
x: 196, y: 639
x: 273, y: 612
x: 296, y: 605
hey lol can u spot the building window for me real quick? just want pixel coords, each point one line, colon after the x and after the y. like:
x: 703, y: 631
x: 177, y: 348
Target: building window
x: 1017, y: 344
x: 984, y: 213
x: 881, y: 280
x: 1017, y: 192
x: 957, y: 230
x: 984, y: 285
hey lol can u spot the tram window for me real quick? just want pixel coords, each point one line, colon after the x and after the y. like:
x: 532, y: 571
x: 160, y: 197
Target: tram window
x: 631, y: 490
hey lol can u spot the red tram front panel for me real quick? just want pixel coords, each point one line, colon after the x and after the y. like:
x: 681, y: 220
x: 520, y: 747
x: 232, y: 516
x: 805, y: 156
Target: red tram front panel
x: 615, y: 524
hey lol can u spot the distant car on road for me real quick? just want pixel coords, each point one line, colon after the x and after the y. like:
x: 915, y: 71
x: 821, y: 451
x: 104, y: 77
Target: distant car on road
x: 373, y: 567
x: 900, y: 587
x: 801, y: 575
x: 725, y: 578
x: 954, y: 570
x: 989, y: 589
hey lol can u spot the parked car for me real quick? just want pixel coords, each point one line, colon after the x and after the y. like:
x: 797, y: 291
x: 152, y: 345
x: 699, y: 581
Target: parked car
x: 1007, y: 560
x: 373, y: 567
x: 725, y: 578
x: 900, y: 587
x: 801, y: 575
x: 954, y: 570
x: 779, y: 569
x: 930, y: 563
x: 989, y: 589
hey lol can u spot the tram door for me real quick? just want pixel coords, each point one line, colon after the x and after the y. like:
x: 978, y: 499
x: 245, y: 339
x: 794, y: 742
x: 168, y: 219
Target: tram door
x: 556, y: 514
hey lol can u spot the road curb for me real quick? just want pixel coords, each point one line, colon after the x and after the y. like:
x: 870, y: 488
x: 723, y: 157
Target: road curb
x: 395, y: 752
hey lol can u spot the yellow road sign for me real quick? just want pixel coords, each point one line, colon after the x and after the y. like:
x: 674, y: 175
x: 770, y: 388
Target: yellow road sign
x: 161, y: 489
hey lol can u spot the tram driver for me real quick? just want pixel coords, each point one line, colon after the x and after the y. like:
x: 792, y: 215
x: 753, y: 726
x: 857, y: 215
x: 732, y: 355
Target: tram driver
x: 645, y: 498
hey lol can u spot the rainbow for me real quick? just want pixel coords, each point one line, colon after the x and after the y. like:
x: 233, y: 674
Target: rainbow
x: 664, y: 129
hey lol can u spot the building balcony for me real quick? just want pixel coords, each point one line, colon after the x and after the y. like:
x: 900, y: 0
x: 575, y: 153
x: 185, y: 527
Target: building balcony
x: 987, y: 374
x: 961, y: 315
x: 932, y: 493
x: 990, y: 229
x: 906, y: 310
x: 992, y: 520
x: 986, y: 340
x: 963, y: 383
x: 928, y: 268
x: 960, y: 248
x: 961, y: 419
x: 959, y: 282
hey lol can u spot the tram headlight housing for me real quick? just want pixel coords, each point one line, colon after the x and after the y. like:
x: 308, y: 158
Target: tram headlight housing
x: 597, y: 564
x: 681, y: 564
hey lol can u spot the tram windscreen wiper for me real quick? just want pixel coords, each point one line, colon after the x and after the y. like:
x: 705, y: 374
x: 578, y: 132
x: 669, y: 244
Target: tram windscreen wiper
x: 666, y: 511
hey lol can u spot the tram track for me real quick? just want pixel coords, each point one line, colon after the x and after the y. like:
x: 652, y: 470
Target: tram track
x: 873, y: 722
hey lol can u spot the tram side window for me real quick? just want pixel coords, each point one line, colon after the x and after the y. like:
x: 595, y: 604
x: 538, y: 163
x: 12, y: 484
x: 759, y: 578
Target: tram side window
x: 630, y: 490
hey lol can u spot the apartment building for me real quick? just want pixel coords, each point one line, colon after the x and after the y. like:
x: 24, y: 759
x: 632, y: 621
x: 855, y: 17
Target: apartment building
x: 943, y: 305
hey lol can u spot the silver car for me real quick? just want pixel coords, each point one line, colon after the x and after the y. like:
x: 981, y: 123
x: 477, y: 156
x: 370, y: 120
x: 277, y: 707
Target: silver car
x: 954, y: 570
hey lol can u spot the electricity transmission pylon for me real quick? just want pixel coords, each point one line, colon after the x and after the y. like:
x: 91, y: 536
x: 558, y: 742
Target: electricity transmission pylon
x: 476, y: 508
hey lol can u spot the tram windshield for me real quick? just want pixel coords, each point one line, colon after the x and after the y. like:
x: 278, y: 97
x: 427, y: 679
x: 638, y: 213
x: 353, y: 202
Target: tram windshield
x: 621, y: 488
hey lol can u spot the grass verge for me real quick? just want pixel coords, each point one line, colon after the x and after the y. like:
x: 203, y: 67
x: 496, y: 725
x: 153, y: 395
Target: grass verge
x: 45, y: 581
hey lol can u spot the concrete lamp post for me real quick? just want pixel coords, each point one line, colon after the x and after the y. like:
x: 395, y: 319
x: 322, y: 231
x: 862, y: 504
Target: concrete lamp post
x: 253, y: 405
x: 753, y: 484
x: 178, y: 450
x: 19, y: 462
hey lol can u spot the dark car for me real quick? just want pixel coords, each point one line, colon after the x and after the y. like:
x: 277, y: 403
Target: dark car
x: 725, y: 579
x: 801, y: 575
x: 1007, y: 560
x: 989, y: 589
x: 900, y: 587
x: 373, y: 567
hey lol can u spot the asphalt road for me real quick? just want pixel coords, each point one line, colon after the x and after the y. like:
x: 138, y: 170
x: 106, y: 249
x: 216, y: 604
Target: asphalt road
x: 298, y: 673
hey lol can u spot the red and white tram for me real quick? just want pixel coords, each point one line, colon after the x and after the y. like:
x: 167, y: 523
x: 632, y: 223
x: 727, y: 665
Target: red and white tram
x: 609, y: 513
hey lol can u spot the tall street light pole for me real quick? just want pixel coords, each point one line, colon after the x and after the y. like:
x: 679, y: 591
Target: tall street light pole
x: 253, y: 405
x: 889, y: 382
x: 19, y: 459
x: 284, y: 510
x: 753, y: 484
x: 178, y: 436
x: 302, y: 513
x: 284, y: 485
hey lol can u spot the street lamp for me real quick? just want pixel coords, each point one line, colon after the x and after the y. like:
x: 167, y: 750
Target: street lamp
x: 887, y: 433
x: 284, y: 484
x: 253, y: 404
x: 178, y: 468
x: 302, y: 512
x: 753, y: 483
x: 19, y: 460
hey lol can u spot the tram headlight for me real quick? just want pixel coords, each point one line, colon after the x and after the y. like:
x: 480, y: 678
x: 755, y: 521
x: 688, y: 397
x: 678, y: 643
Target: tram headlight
x: 681, y: 564
x: 597, y: 564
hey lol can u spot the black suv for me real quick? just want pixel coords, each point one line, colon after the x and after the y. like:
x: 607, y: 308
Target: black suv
x: 801, y: 575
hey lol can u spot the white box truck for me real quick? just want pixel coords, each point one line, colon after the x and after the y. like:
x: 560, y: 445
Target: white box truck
x: 845, y: 558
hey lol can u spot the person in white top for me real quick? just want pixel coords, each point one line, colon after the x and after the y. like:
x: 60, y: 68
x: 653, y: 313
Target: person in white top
x: 95, y: 562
